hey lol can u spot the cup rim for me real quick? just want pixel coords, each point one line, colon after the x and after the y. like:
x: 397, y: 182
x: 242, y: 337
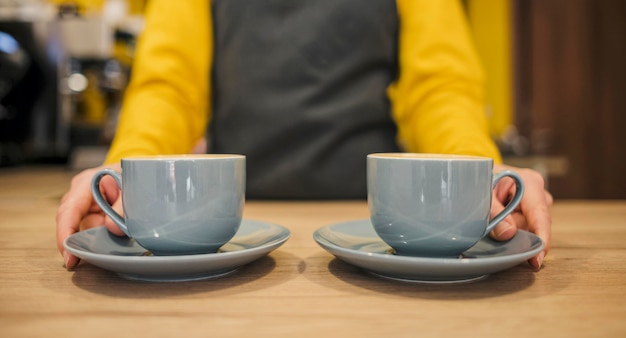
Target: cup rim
x: 174, y: 157
x: 429, y: 157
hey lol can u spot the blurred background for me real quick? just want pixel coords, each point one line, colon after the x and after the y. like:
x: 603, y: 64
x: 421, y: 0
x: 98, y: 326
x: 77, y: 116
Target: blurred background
x: 556, y: 88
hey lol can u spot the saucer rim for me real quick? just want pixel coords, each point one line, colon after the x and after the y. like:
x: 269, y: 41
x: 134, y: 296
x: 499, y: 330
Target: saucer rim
x: 426, y: 259
x: 79, y: 252
x: 425, y: 269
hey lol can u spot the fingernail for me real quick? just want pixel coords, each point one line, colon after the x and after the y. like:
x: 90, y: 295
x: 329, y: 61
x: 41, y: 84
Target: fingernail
x: 66, y: 259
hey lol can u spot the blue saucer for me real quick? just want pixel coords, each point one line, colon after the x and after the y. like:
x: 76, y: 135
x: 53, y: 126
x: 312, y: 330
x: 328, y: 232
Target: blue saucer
x: 97, y: 246
x: 357, y: 243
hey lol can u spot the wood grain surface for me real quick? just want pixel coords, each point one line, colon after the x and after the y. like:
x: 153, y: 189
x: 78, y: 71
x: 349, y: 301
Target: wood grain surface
x: 300, y: 290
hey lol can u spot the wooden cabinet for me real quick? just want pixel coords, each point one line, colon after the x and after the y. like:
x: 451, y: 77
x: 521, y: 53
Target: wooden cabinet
x: 570, y: 91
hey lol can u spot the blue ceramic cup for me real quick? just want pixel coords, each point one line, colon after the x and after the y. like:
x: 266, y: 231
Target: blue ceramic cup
x: 179, y: 204
x: 434, y: 205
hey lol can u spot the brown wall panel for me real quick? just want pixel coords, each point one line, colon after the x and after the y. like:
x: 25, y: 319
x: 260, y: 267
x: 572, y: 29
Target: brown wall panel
x: 570, y: 85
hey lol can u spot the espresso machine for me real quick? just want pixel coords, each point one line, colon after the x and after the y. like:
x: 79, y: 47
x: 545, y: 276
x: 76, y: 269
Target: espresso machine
x: 62, y: 78
x: 31, y: 124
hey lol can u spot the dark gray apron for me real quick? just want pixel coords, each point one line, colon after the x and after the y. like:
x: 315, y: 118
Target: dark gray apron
x: 299, y: 87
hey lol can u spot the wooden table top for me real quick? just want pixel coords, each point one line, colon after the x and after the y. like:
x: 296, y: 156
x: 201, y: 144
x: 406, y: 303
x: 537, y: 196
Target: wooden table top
x: 301, y: 290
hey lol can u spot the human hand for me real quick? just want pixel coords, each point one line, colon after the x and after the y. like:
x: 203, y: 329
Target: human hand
x: 532, y: 214
x: 78, y: 210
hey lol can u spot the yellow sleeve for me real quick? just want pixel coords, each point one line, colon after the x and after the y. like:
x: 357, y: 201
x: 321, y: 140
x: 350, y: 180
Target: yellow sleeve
x: 438, y: 97
x: 165, y: 109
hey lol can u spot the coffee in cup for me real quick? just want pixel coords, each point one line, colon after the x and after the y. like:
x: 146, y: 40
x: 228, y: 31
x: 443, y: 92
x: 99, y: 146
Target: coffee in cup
x: 434, y: 205
x: 178, y: 204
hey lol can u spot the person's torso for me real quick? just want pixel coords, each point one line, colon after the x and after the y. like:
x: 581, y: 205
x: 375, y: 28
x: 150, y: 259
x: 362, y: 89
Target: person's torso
x: 299, y: 87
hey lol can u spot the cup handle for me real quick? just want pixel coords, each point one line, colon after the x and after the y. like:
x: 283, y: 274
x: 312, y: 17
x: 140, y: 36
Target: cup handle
x: 102, y: 202
x: 517, y: 198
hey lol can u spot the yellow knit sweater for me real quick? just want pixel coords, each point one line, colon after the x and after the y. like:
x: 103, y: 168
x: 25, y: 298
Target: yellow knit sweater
x: 437, y: 100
